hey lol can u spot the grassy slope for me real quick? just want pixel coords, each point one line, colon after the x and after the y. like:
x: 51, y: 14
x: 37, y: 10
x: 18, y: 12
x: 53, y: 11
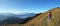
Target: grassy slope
x: 41, y: 19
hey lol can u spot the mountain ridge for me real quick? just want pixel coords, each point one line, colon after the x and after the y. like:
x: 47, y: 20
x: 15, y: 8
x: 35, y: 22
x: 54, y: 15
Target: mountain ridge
x: 41, y: 20
x: 4, y: 16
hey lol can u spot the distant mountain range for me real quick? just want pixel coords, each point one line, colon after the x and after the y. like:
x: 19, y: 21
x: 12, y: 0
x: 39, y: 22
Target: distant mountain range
x: 10, y: 16
x: 26, y: 15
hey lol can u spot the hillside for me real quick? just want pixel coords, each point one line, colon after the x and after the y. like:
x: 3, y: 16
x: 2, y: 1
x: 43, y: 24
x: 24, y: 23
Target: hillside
x: 41, y: 20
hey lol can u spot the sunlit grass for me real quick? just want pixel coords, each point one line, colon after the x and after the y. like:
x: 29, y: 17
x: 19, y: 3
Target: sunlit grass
x: 41, y: 20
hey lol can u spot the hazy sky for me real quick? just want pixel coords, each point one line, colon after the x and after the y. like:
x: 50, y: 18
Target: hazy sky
x: 27, y: 6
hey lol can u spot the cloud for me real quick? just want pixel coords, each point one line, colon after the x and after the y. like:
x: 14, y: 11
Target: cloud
x: 10, y: 11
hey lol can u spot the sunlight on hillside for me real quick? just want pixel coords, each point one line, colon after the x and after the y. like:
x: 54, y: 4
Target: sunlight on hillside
x: 41, y: 20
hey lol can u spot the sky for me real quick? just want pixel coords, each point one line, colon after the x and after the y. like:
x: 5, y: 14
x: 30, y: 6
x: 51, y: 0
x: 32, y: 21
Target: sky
x: 27, y: 6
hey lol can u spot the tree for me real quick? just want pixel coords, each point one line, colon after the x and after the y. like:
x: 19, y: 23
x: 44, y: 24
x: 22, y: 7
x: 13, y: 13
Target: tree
x: 38, y: 14
x: 58, y: 7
